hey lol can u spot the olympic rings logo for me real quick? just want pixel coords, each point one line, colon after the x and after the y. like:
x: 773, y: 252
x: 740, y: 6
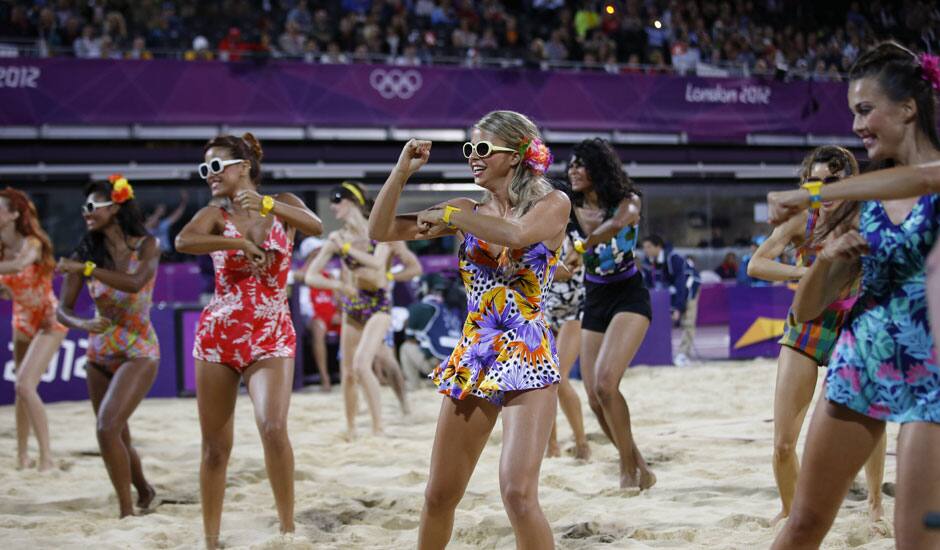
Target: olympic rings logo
x: 396, y: 83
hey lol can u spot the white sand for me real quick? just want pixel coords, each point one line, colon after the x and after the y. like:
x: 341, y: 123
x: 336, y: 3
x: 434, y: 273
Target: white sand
x: 707, y: 432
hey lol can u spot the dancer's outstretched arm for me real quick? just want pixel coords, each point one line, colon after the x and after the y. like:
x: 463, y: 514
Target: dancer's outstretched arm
x: 902, y: 182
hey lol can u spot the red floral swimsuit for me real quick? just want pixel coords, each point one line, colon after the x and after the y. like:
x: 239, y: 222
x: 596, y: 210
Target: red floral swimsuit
x: 248, y: 318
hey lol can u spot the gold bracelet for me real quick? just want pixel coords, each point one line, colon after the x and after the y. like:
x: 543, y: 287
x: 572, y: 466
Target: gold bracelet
x: 345, y: 249
x: 89, y: 267
x: 267, y: 204
x: 579, y: 247
x: 448, y: 210
x: 815, y: 200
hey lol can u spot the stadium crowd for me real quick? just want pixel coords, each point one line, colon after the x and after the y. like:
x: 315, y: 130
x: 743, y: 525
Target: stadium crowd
x: 788, y: 39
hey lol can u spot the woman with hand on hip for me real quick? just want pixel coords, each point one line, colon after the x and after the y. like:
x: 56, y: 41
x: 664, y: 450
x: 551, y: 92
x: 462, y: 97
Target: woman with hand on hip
x: 505, y: 361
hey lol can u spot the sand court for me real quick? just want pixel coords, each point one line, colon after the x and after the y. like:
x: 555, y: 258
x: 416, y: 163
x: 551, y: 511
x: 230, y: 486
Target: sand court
x: 706, y: 431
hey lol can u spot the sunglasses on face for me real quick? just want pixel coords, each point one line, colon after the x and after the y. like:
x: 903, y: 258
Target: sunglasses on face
x: 483, y: 149
x: 215, y: 166
x: 91, y: 206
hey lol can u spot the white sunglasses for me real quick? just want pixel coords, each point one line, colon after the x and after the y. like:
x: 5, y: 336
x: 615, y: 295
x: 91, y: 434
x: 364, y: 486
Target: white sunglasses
x: 215, y: 166
x: 91, y: 206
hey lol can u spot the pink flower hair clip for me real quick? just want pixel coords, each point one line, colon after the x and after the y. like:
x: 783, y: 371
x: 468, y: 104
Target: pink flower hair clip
x: 930, y: 69
x: 536, y: 155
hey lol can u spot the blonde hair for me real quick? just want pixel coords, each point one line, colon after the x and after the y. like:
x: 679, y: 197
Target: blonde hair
x: 516, y: 130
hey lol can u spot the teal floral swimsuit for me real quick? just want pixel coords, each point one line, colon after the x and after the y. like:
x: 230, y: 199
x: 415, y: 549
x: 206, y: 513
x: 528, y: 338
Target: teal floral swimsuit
x: 884, y: 364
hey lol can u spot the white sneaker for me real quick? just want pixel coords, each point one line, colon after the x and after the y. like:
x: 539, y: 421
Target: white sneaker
x: 681, y: 360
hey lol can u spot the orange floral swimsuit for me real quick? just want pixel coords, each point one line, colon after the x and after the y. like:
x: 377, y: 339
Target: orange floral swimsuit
x: 34, y: 303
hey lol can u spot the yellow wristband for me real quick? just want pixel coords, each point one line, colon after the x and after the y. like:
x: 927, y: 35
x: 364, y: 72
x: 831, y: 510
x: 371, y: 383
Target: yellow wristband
x: 89, y: 267
x: 815, y: 200
x: 389, y: 276
x: 448, y: 210
x: 579, y: 247
x: 345, y: 248
x: 267, y: 204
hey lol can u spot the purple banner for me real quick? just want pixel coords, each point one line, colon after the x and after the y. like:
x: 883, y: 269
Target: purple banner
x: 757, y: 315
x: 64, y: 379
x: 69, y: 91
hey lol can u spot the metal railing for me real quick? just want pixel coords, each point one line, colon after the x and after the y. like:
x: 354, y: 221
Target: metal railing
x: 18, y: 48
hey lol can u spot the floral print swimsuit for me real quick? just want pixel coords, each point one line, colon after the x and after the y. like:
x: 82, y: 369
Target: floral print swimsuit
x: 884, y: 364
x: 248, y: 318
x: 34, y: 303
x: 506, y: 344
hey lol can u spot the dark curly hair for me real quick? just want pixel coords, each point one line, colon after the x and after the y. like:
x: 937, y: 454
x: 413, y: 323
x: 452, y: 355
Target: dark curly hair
x: 129, y: 219
x: 605, y: 169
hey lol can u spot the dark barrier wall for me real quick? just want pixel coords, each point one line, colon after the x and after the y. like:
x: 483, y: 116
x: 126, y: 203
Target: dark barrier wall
x: 69, y: 91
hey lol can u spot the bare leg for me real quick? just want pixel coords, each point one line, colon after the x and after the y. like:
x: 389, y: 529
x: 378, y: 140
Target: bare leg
x: 269, y: 385
x: 527, y: 419
x: 796, y: 382
x: 590, y: 346
x: 145, y: 492
x: 20, y: 345
x: 318, y: 338
x: 124, y: 393
x: 216, y: 392
x: 837, y: 445
x: 462, y: 430
x: 553, y: 450
x: 40, y: 352
x: 918, y: 487
x: 874, y: 476
x: 621, y: 342
x: 569, y: 343
x: 393, y: 374
x: 348, y: 342
x: 373, y: 337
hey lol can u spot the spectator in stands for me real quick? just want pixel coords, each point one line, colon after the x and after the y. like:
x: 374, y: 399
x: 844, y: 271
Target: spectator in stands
x: 139, y: 49
x: 300, y: 15
x: 729, y: 267
x: 89, y: 45
x: 292, y: 42
x: 160, y: 225
x: 232, y: 48
x: 743, y: 278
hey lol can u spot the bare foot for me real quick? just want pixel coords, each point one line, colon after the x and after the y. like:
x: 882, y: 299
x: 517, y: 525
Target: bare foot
x: 350, y: 435
x: 213, y: 543
x: 45, y: 464
x: 378, y: 432
x: 582, y: 451
x: 553, y: 451
x: 875, y: 511
x: 647, y: 478
x: 782, y: 515
x: 145, y: 497
x: 326, y: 388
x: 23, y: 462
